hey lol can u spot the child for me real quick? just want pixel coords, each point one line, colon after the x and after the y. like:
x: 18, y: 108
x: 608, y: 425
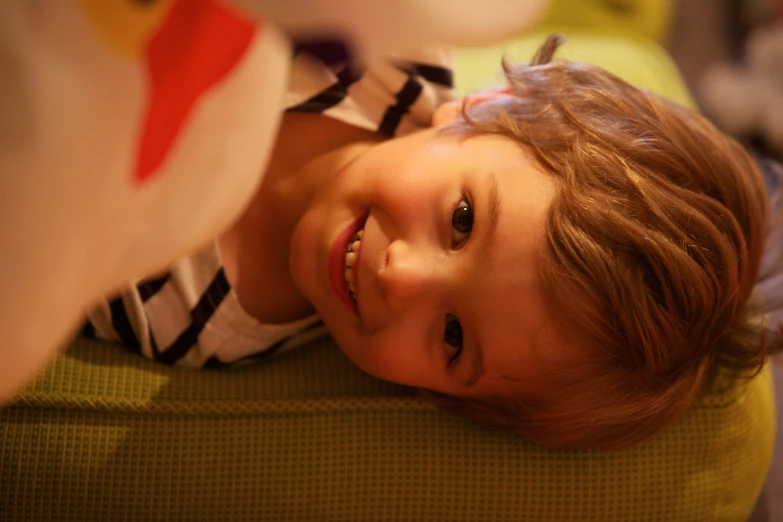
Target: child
x: 571, y: 258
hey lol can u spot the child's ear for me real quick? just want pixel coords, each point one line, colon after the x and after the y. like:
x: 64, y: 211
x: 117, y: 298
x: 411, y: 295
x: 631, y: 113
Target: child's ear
x: 450, y: 111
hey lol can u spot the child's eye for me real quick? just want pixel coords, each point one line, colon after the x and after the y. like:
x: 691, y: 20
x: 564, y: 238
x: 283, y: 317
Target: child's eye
x: 461, y: 223
x: 452, y: 336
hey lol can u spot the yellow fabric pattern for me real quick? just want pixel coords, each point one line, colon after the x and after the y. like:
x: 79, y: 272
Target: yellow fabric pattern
x: 307, y: 436
x: 479, y: 68
x: 641, y: 19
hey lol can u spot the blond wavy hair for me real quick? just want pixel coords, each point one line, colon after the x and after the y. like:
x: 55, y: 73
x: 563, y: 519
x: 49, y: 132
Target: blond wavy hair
x: 654, y: 242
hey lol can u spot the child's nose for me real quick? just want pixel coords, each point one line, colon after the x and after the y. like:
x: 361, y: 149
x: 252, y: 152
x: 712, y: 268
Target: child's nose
x: 411, y: 276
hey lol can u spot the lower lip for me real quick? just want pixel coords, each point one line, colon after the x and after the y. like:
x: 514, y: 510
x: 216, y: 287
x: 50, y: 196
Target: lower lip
x: 337, y: 263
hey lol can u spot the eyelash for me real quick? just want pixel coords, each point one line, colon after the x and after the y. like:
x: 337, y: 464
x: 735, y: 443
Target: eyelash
x: 464, y: 202
x: 453, y: 328
x: 452, y: 331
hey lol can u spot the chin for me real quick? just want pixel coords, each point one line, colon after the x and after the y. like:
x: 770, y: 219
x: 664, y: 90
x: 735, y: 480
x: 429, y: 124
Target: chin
x: 349, y: 350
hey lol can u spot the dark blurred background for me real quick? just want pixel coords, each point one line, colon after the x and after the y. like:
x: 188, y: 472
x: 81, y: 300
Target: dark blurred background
x: 731, y: 55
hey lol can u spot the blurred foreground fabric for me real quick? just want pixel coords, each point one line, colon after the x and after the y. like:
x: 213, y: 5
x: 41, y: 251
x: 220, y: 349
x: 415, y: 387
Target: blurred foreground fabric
x: 106, y: 435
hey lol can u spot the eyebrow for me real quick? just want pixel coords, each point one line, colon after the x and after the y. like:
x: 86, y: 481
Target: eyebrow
x: 487, y: 240
x: 492, y: 197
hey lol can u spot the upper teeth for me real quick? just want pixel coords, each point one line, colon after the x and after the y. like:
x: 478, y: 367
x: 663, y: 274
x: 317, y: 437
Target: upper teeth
x: 350, y: 260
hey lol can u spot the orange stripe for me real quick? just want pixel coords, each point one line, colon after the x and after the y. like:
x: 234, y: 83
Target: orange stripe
x: 198, y: 44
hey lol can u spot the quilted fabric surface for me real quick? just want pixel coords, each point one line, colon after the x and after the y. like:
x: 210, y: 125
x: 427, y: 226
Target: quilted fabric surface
x: 105, y: 435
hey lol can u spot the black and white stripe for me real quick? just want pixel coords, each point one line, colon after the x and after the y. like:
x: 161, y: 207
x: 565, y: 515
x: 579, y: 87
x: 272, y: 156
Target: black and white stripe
x: 150, y: 287
x: 122, y: 324
x: 380, y: 96
x: 190, y: 315
x: 332, y: 95
x: 406, y: 97
x: 435, y: 74
x: 200, y: 316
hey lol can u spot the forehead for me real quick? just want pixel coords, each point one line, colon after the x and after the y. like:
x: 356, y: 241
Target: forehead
x: 524, y: 192
x: 526, y: 185
x: 522, y: 349
x: 520, y: 344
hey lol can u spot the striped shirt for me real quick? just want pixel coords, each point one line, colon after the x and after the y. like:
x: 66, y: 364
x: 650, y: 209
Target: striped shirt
x: 190, y: 315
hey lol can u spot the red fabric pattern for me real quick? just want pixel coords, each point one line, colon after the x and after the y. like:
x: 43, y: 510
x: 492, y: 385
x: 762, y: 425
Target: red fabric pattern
x: 198, y: 44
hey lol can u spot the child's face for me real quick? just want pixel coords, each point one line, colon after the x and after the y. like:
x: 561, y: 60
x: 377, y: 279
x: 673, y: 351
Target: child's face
x: 445, y: 276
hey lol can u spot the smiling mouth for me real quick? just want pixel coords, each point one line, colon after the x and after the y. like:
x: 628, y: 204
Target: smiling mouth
x: 343, y: 263
x: 351, y: 256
